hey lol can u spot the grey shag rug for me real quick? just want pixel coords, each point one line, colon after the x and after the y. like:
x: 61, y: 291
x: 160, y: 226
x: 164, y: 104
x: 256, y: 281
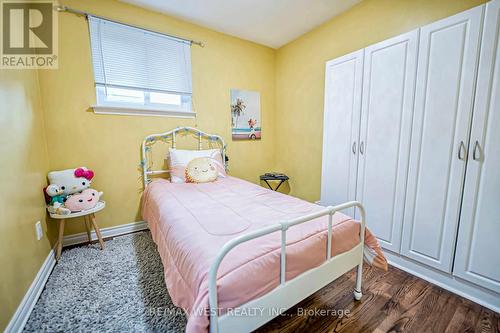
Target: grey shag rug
x: 120, y: 289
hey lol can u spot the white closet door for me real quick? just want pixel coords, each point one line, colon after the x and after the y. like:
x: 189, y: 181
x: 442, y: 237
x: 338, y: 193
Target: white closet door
x: 447, y: 62
x: 386, y: 117
x: 478, y: 250
x: 343, y: 80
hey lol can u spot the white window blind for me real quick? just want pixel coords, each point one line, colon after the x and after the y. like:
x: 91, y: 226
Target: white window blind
x: 136, y: 67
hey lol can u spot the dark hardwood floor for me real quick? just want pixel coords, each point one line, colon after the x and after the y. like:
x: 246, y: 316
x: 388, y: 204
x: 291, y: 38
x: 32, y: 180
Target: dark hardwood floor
x: 393, y: 301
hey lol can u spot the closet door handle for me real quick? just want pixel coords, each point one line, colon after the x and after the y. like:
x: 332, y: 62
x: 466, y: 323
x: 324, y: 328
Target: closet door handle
x: 362, y: 147
x: 461, y: 148
x: 477, y: 149
x: 354, y: 147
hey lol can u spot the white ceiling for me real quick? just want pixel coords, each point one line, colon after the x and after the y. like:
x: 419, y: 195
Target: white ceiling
x: 269, y: 22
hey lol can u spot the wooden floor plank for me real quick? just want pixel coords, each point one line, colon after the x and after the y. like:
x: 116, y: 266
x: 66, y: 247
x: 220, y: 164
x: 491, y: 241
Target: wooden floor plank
x: 465, y: 318
x: 486, y: 322
x: 362, y: 318
x: 393, y: 301
x: 429, y: 314
x: 401, y: 303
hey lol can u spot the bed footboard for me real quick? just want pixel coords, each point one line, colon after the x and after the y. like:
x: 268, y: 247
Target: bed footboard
x: 288, y: 293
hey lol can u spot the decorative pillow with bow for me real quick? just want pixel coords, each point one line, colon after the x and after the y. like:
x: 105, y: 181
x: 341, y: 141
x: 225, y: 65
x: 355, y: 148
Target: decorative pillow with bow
x: 72, y: 180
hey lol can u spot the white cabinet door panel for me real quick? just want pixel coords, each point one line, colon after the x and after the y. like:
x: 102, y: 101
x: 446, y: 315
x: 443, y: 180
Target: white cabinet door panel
x: 343, y: 80
x: 386, y: 117
x: 447, y: 62
x: 477, y: 256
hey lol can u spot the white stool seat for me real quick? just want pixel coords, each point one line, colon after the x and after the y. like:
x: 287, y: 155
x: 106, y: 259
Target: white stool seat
x: 100, y: 205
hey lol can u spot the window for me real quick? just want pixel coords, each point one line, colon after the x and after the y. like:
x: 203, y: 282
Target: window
x: 138, y: 71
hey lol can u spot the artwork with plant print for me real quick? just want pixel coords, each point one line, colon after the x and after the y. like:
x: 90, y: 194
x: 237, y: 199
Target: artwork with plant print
x: 245, y: 115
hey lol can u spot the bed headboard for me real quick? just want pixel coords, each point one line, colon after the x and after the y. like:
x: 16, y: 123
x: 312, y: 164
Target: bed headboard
x: 170, y: 137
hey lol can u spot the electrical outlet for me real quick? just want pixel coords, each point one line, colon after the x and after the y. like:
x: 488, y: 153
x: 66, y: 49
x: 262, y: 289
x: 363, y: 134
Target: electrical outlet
x: 38, y: 229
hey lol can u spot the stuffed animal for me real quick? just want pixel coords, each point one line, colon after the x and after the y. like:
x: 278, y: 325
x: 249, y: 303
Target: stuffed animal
x: 201, y: 170
x: 88, y: 199
x: 72, y: 180
x: 55, y: 193
x: 57, y: 198
x: 68, y: 187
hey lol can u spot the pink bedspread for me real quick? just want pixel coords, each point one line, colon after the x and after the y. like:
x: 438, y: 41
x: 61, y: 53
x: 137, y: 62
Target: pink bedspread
x: 191, y: 222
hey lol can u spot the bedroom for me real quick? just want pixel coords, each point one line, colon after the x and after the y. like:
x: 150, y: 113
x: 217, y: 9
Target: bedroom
x: 282, y: 59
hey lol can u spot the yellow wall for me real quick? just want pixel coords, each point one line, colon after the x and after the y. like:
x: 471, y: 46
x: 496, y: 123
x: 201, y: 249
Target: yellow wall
x: 300, y: 69
x: 110, y: 144
x: 24, y: 165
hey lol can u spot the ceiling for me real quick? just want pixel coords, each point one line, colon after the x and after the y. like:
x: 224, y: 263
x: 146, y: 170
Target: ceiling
x: 269, y: 22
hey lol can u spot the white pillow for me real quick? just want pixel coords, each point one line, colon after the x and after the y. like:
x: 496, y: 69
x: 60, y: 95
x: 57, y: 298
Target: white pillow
x: 178, y: 159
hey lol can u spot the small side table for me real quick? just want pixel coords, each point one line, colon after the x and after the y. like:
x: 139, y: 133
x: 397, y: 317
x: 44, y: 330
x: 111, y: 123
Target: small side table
x: 268, y: 176
x: 88, y: 218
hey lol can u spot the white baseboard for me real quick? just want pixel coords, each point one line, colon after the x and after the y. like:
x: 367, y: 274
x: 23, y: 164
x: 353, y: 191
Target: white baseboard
x: 24, y: 309
x: 20, y: 317
x: 476, y: 294
x: 105, y: 232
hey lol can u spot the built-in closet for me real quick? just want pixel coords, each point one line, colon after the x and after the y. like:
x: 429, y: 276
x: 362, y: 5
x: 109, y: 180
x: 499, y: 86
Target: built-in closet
x: 412, y: 130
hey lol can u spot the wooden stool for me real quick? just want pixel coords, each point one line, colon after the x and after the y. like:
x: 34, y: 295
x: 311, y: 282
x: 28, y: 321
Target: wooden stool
x: 89, y: 220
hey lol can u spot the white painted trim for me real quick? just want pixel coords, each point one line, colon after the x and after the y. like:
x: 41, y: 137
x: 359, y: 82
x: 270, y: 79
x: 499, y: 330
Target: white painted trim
x: 20, y: 317
x: 106, y: 232
x: 476, y: 294
x: 138, y: 111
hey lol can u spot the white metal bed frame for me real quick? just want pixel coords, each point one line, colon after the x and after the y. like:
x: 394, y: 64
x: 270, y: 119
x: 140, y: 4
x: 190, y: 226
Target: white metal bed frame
x: 171, y: 136
x: 287, y: 293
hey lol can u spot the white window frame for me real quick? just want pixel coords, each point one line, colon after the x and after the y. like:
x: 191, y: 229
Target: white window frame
x: 103, y: 106
x: 109, y: 98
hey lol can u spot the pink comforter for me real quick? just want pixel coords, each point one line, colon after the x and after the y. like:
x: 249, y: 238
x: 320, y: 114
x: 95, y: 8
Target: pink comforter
x: 191, y: 222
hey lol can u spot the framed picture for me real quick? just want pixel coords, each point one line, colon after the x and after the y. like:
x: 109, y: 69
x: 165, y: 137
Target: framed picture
x: 245, y: 115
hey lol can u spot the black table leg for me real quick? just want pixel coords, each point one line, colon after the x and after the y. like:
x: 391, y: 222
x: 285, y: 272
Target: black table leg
x: 277, y: 187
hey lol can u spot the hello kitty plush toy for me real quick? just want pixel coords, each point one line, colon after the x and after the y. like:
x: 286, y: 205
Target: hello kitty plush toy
x: 71, y: 182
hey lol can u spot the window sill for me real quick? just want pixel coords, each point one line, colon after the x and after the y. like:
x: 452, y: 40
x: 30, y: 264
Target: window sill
x: 138, y: 111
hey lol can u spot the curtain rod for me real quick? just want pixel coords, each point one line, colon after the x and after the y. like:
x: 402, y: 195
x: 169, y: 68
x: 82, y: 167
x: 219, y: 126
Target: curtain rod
x: 86, y: 14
